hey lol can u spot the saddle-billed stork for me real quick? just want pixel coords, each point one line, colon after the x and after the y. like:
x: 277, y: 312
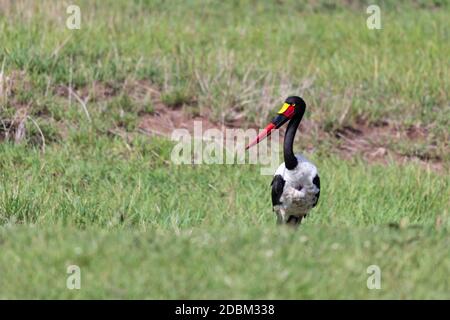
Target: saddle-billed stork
x: 296, y: 183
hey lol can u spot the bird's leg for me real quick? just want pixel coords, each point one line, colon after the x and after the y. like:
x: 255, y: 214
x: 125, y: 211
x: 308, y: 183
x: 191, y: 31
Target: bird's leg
x: 282, y: 218
x: 294, y: 221
x: 279, y: 218
x: 280, y: 215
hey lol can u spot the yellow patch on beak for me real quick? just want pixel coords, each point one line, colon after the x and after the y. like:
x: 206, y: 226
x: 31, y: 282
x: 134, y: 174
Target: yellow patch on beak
x: 284, y: 108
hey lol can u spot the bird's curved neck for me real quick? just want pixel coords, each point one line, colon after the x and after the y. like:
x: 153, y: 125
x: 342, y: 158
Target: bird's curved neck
x: 289, y: 157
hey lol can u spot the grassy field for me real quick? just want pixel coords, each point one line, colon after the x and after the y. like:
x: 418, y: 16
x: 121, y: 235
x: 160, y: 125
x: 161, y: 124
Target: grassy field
x: 81, y: 184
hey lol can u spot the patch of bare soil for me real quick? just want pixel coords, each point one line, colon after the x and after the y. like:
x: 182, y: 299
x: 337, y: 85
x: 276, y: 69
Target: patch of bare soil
x: 380, y: 143
x: 164, y: 119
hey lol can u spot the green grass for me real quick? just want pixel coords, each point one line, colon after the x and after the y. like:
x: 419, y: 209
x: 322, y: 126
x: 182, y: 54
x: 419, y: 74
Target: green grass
x: 225, y: 262
x: 104, y: 184
x: 101, y: 195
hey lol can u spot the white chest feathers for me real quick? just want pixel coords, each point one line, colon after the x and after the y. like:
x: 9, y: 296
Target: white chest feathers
x: 301, y: 188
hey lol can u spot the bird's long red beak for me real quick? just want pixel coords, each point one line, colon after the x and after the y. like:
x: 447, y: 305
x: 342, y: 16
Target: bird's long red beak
x: 263, y: 134
x: 286, y: 112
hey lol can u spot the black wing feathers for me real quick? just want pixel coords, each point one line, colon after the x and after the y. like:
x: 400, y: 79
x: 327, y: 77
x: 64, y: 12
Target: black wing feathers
x: 277, y: 189
x: 316, y: 182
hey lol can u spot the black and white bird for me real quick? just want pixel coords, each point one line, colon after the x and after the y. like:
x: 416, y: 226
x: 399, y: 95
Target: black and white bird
x: 296, y: 183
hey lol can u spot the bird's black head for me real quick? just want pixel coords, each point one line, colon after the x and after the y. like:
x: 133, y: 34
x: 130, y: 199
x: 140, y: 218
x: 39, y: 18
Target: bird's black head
x: 293, y: 106
x: 298, y: 104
